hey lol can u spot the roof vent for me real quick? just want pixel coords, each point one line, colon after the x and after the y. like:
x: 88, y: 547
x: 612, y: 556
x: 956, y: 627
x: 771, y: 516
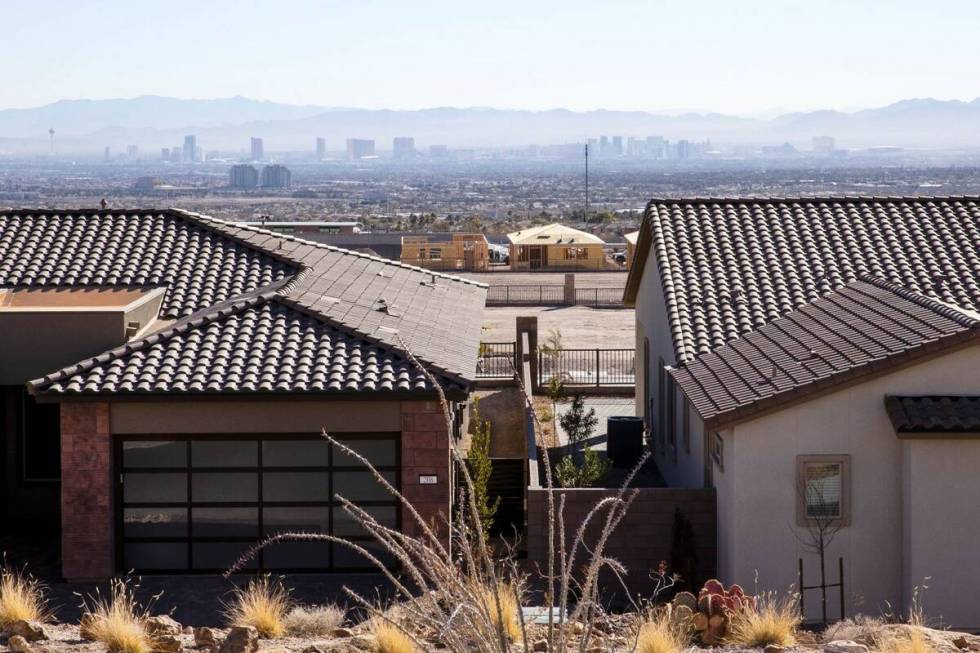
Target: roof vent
x: 132, y: 328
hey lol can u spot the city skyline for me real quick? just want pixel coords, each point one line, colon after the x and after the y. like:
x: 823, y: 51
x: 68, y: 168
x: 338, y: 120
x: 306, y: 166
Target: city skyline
x: 747, y: 59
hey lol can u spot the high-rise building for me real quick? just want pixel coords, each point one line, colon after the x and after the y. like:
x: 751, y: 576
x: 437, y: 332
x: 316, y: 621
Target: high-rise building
x: 823, y: 144
x: 258, y: 150
x: 617, y: 146
x: 132, y: 152
x: 359, y: 148
x: 438, y: 151
x: 107, y: 154
x: 656, y: 147
x: 403, y: 147
x: 603, y: 147
x: 190, y: 149
x: 164, y: 153
x: 683, y: 149
x: 321, y: 148
x: 276, y: 177
x: 243, y: 176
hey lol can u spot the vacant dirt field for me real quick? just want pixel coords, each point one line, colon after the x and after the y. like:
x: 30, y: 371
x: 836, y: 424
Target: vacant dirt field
x: 582, y: 279
x: 581, y: 327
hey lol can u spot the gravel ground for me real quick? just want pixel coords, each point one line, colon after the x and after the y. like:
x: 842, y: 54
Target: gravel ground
x: 581, y: 327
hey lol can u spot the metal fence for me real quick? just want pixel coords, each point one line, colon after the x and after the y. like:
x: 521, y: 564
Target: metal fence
x: 588, y: 367
x: 496, y: 360
x: 552, y: 295
x: 526, y: 296
x: 599, y: 296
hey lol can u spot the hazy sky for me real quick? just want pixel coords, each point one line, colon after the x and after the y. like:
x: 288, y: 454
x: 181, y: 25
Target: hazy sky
x: 731, y: 56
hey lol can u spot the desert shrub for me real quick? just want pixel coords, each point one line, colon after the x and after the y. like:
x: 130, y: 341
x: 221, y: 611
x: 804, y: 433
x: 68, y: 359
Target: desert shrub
x: 117, y: 620
x: 661, y: 633
x: 577, y: 423
x: 21, y: 598
x: 507, y: 617
x: 313, y: 621
x: 446, y: 568
x: 863, y: 629
x: 589, y: 474
x: 262, y: 604
x: 773, y: 620
x: 390, y: 638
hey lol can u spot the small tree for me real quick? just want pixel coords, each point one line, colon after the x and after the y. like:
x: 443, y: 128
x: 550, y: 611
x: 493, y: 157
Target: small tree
x: 481, y: 467
x: 589, y: 474
x: 556, y: 392
x: 578, y: 424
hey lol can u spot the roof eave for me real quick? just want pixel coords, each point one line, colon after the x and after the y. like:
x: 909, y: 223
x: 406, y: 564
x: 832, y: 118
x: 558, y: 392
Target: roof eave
x: 729, y: 418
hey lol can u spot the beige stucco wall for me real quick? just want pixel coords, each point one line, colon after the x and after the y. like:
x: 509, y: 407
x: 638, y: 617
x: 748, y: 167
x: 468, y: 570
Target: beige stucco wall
x: 157, y: 417
x: 683, y: 467
x: 941, y: 526
x: 757, y: 494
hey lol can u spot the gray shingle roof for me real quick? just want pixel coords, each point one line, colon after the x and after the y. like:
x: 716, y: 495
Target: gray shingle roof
x: 934, y: 414
x: 198, y: 266
x: 863, y: 327
x: 378, y: 303
x: 729, y: 266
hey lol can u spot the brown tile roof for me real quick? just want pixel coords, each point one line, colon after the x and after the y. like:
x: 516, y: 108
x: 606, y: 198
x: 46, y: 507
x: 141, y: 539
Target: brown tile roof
x: 253, y: 345
x: 198, y: 266
x: 378, y: 303
x: 934, y: 414
x: 730, y: 266
x: 864, y: 327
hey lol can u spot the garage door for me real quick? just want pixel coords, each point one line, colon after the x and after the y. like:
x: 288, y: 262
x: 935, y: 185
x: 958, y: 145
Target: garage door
x: 196, y: 504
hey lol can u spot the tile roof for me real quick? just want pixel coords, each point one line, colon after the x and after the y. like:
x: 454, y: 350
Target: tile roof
x: 254, y: 345
x: 730, y: 266
x: 198, y: 266
x: 864, y: 327
x: 381, y: 303
x: 934, y: 414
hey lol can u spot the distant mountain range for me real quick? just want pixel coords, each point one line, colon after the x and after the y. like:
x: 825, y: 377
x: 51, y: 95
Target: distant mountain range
x: 226, y: 124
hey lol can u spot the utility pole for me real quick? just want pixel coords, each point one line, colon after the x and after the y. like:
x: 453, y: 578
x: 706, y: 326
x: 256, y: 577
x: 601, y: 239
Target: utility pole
x: 586, y: 180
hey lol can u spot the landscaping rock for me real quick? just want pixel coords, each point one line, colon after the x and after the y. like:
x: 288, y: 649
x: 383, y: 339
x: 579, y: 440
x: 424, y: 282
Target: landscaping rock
x: 18, y: 644
x: 312, y: 648
x: 540, y: 645
x: 577, y: 627
x: 240, y: 639
x: 31, y: 631
x: 343, y: 632
x: 844, y: 646
x: 961, y: 642
x: 367, y: 641
x: 188, y: 630
x: 207, y: 637
x: 774, y: 648
x: 166, y: 644
x: 161, y: 625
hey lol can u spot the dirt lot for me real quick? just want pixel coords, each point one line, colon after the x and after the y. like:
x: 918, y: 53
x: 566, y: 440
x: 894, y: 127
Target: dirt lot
x: 581, y: 327
x: 582, y: 279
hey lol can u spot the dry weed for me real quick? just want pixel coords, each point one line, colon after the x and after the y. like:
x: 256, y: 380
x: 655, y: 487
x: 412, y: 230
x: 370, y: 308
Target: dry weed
x: 262, y: 604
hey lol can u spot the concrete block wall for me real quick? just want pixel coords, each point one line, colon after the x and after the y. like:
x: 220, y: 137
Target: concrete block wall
x: 641, y: 541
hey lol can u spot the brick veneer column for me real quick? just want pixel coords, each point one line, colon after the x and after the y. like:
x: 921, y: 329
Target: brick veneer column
x: 425, y: 450
x: 87, y: 542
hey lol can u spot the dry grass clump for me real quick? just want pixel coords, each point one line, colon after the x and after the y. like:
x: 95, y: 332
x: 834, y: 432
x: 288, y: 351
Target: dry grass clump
x: 773, y: 621
x: 313, y: 621
x: 117, y: 620
x: 863, y: 629
x: 660, y: 633
x: 263, y: 604
x: 21, y: 598
x: 507, y: 617
x: 390, y: 638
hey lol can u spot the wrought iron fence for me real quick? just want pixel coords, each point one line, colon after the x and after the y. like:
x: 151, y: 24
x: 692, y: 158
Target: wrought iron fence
x: 599, y: 296
x: 552, y: 295
x: 526, y: 296
x: 588, y: 367
x: 496, y: 360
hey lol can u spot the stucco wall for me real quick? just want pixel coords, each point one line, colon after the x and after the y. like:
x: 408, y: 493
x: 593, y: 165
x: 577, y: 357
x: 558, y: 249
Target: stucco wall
x: 941, y: 521
x: 683, y: 467
x: 757, y: 491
